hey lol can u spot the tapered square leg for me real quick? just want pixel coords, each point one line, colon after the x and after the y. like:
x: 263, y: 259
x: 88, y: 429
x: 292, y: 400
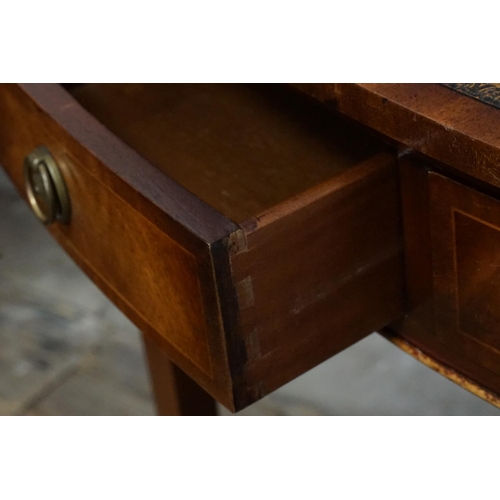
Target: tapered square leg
x: 175, y: 393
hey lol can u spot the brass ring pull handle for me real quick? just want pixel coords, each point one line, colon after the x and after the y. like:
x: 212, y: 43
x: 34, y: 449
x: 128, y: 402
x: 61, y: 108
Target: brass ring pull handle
x: 45, y: 187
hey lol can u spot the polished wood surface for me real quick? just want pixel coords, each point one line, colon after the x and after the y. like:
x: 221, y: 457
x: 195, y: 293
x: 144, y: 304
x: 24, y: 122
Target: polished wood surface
x: 242, y: 308
x: 149, y: 255
x: 414, y: 181
x: 320, y: 272
x: 55, y: 116
x: 465, y: 238
x: 251, y: 234
x: 451, y: 235
x: 454, y: 129
x: 451, y: 252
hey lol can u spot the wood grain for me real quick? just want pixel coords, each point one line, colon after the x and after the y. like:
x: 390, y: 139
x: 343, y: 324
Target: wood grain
x: 132, y: 178
x: 465, y: 229
x: 155, y: 269
x: 319, y: 272
x: 414, y: 181
x: 460, y: 132
x: 242, y: 309
x: 240, y: 148
x: 452, y: 240
x: 451, y: 235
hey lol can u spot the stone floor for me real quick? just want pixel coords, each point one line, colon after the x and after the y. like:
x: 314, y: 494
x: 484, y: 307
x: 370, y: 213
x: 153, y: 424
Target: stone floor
x: 66, y: 350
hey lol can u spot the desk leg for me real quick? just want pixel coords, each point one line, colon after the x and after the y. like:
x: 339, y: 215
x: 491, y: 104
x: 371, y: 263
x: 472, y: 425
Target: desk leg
x: 175, y: 393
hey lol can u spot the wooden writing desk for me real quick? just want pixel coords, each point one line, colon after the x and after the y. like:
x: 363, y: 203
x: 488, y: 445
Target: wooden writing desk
x: 251, y: 232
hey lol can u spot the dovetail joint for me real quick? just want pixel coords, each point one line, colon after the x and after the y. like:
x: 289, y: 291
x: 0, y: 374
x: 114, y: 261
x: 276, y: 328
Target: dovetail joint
x: 237, y: 242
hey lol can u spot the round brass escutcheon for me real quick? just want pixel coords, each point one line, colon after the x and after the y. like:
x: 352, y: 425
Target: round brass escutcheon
x: 45, y: 187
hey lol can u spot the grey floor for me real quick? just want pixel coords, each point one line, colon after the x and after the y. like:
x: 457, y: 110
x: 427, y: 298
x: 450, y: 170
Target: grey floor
x: 66, y: 350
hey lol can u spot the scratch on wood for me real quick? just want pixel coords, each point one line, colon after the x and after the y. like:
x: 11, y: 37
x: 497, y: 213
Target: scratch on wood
x: 244, y: 290
x: 68, y: 105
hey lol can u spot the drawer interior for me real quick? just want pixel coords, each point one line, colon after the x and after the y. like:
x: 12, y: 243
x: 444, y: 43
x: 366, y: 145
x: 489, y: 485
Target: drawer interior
x: 240, y: 148
x: 314, y: 260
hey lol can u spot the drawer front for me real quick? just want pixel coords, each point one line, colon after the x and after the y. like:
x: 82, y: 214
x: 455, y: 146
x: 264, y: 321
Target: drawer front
x: 452, y: 239
x: 155, y: 268
x: 465, y: 238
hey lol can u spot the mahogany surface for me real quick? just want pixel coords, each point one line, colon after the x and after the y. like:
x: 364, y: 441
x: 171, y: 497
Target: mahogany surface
x: 454, y: 129
x: 445, y: 273
x: 244, y: 307
x: 252, y: 234
x: 336, y: 260
x: 143, y: 239
x: 450, y: 220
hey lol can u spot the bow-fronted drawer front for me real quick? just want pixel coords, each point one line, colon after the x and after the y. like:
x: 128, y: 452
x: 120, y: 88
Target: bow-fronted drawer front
x: 249, y: 232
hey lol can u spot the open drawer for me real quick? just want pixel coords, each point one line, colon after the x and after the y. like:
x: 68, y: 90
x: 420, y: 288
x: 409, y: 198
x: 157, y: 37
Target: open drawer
x: 249, y: 232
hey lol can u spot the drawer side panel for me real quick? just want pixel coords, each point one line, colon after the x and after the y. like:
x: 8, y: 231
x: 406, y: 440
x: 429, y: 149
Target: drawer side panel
x: 320, y: 272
